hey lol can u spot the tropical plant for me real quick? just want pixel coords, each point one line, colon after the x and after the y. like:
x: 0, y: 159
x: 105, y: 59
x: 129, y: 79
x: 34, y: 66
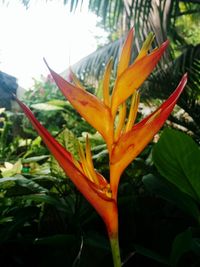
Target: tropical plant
x: 43, y: 216
x: 123, y: 140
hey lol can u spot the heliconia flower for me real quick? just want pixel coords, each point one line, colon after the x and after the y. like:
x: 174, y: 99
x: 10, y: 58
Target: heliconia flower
x: 110, y: 116
x: 128, y: 80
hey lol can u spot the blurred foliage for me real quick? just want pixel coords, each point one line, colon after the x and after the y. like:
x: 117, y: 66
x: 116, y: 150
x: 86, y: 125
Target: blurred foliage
x: 187, y: 24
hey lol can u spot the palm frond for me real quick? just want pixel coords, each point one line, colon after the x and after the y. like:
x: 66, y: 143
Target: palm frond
x: 163, y: 82
x: 146, y: 16
x: 93, y: 65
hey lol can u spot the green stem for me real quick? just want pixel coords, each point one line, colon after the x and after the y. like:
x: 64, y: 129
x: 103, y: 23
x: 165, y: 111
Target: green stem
x: 114, y: 242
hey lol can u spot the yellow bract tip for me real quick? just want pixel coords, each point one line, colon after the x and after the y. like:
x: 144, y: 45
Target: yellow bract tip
x: 76, y: 80
x: 88, y: 162
x: 107, y: 191
x: 133, y: 111
x: 146, y: 46
x: 106, y: 83
x: 121, y: 120
x: 125, y: 54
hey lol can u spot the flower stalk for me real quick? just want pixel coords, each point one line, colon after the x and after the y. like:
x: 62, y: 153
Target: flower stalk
x: 114, y: 243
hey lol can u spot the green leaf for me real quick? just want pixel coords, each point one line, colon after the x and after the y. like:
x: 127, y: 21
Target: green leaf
x: 43, y: 198
x: 35, y: 159
x: 46, y: 107
x: 11, y: 169
x: 177, y: 158
x: 182, y: 244
x: 20, y: 181
x: 196, y: 245
x: 4, y: 219
x: 151, y: 254
x: 58, y: 103
x: 96, y: 241
x: 67, y: 139
x: 169, y: 192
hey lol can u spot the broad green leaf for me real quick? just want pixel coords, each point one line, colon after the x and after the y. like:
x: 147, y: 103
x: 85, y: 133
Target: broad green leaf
x: 20, y: 181
x: 177, y: 158
x: 182, y: 244
x: 169, y: 192
x: 51, y: 200
x: 4, y: 219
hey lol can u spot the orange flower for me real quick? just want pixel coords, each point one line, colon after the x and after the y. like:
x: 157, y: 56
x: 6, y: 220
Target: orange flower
x: 124, y: 139
x: 108, y: 116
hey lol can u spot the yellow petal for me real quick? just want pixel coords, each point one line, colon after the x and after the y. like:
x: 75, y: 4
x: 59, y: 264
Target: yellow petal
x: 106, y: 83
x: 133, y: 77
x: 146, y: 46
x: 90, y: 162
x: 125, y: 54
x: 76, y: 80
x: 121, y: 120
x: 84, y: 163
x: 133, y: 111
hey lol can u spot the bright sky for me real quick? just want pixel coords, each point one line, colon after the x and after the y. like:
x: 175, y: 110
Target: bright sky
x: 46, y: 29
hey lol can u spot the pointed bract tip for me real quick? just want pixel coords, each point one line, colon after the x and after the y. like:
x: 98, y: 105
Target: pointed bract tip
x: 161, y: 48
x: 185, y: 76
x: 130, y: 32
x: 184, y: 79
x: 151, y: 34
x: 165, y: 44
x: 132, y: 29
x: 46, y: 63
